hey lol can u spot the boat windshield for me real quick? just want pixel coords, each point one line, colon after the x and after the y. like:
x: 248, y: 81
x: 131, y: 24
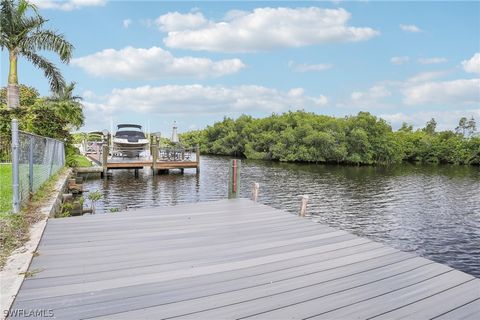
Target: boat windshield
x: 129, y: 127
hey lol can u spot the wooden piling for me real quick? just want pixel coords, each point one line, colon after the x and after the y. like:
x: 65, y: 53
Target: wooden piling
x: 303, y: 205
x: 105, y: 160
x: 234, y: 179
x: 197, y: 157
x: 154, y: 150
x: 152, y: 142
x: 255, y: 191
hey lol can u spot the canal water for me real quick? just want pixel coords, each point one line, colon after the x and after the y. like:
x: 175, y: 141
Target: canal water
x: 431, y: 210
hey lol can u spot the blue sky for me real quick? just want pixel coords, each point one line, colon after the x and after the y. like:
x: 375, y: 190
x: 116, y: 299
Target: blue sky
x: 195, y: 62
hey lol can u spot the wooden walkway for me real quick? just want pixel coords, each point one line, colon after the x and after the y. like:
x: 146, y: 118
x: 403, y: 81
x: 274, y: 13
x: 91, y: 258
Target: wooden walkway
x: 233, y: 259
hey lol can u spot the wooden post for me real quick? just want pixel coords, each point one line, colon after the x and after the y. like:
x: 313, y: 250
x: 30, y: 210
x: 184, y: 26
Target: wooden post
x: 234, y: 179
x: 151, y: 145
x: 105, y: 160
x: 154, y: 150
x: 255, y: 190
x: 197, y: 157
x: 303, y: 206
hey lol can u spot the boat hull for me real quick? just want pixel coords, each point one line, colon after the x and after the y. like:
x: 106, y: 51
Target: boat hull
x: 129, y: 149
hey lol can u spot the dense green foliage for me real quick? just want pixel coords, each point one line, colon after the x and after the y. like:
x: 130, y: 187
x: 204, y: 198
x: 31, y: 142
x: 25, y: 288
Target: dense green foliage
x: 306, y: 137
x: 49, y: 117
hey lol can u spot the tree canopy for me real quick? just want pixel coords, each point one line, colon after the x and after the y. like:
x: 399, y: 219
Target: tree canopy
x: 23, y: 33
x: 52, y: 117
x: 362, y: 139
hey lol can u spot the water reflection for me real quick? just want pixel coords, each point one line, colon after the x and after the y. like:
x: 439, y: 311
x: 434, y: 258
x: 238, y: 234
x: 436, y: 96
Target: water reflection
x: 432, y: 210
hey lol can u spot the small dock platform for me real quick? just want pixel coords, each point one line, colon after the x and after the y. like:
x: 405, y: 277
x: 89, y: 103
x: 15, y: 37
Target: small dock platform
x: 158, y: 159
x: 232, y: 259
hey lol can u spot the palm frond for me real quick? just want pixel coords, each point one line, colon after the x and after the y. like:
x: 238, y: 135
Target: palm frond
x: 6, y: 17
x: 23, y: 33
x: 68, y: 92
x: 49, y: 69
x: 24, y: 5
x: 51, y: 41
x: 26, y: 25
x: 15, y: 24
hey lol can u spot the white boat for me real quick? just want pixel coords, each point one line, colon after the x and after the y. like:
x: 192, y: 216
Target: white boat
x: 129, y: 140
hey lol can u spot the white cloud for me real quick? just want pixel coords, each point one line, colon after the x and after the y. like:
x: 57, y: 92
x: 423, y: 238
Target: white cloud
x: 261, y: 29
x: 374, y: 92
x: 410, y: 28
x: 399, y: 60
x: 67, y: 5
x: 446, y: 120
x: 305, y: 67
x: 434, y: 60
x: 234, y: 14
x: 88, y: 94
x: 196, y: 99
x: 126, y: 23
x: 455, y: 92
x: 473, y: 64
x: 175, y: 21
x: 152, y: 63
x: 372, y: 98
x: 426, y: 76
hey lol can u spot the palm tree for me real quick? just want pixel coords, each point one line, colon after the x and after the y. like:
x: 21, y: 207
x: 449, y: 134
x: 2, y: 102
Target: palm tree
x: 68, y: 106
x: 22, y: 34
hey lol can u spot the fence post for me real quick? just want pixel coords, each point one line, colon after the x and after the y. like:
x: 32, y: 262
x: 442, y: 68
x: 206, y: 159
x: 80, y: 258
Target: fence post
x: 234, y: 179
x: 30, y: 165
x: 255, y: 190
x: 54, y: 154
x: 303, y: 206
x: 15, y: 167
x: 62, y: 149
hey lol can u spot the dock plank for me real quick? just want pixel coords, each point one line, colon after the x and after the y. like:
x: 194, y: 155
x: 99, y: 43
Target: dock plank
x: 232, y: 259
x: 467, y: 311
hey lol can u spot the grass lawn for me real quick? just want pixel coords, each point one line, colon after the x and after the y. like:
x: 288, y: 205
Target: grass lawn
x: 81, y: 161
x: 5, y: 187
x: 15, y: 228
x: 6, y: 181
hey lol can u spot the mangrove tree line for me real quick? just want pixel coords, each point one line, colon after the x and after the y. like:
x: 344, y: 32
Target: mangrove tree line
x: 360, y: 140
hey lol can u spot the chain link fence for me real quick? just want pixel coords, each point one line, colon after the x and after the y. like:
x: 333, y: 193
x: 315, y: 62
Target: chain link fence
x: 35, y: 158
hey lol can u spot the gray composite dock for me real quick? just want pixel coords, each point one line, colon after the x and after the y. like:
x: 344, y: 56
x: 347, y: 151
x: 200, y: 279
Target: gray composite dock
x: 233, y: 259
